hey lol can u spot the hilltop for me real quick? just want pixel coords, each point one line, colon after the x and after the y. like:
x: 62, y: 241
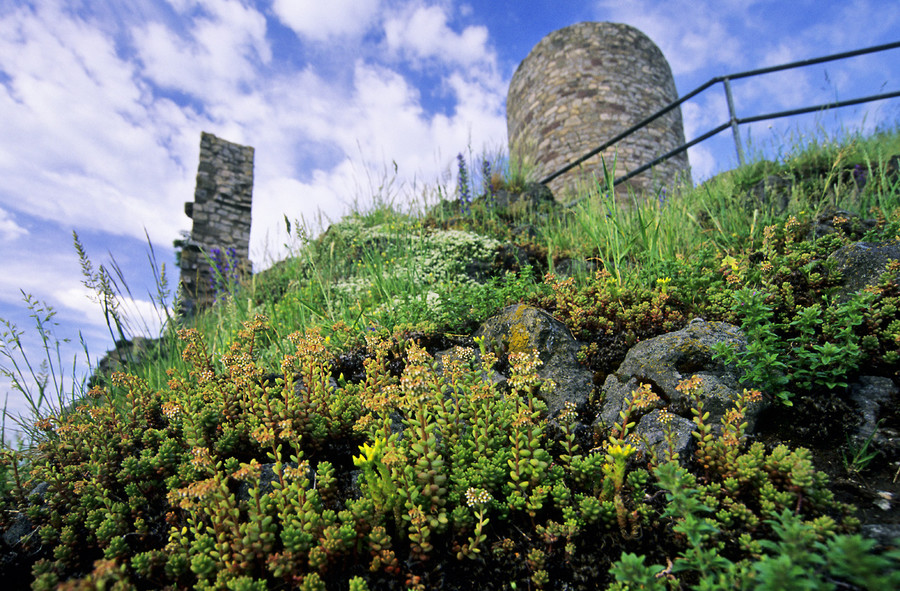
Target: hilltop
x: 697, y: 387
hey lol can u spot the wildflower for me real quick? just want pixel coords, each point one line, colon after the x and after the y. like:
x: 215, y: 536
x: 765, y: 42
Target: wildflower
x: 486, y: 178
x: 225, y: 271
x: 568, y: 412
x: 690, y: 385
x: 201, y: 458
x: 663, y: 283
x: 731, y: 262
x: 462, y: 184
x: 248, y: 472
x: 620, y: 452
x: 477, y: 496
x: 171, y: 409
x: 752, y: 395
x: 296, y: 472
x: 643, y: 397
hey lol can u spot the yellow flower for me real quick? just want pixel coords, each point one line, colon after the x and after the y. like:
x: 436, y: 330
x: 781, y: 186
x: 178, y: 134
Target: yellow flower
x: 731, y: 262
x: 663, y: 283
x: 620, y: 452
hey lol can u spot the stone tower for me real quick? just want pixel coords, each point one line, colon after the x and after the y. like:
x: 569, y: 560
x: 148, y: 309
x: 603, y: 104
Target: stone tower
x: 217, y: 253
x: 582, y: 85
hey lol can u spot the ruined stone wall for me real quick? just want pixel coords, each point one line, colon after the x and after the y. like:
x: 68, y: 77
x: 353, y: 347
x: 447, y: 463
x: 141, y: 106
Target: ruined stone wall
x: 221, y: 216
x: 582, y: 85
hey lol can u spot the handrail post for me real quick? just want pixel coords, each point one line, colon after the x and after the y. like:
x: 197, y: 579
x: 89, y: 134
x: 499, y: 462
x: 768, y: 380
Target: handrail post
x: 734, y: 122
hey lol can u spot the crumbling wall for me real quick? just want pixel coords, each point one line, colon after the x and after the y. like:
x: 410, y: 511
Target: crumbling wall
x: 216, y: 254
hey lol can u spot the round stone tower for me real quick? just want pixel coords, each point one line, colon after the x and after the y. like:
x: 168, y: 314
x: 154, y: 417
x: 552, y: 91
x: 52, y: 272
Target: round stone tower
x: 579, y: 87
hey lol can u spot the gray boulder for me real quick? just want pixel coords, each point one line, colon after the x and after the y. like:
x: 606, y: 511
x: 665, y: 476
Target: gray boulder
x: 840, y: 220
x: 521, y: 328
x: 652, y: 432
x: 875, y: 397
x: 862, y: 264
x: 663, y: 362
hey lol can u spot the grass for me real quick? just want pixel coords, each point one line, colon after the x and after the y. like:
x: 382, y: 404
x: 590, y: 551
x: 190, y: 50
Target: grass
x: 381, y: 279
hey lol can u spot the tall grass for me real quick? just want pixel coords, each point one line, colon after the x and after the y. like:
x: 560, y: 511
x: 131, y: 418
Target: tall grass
x: 366, y: 272
x: 43, y: 383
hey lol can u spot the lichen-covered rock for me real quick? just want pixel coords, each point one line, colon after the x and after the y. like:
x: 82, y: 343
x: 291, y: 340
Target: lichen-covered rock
x: 664, y: 361
x: 875, y: 397
x: 862, y: 264
x: 522, y: 328
x: 652, y: 433
x: 840, y: 220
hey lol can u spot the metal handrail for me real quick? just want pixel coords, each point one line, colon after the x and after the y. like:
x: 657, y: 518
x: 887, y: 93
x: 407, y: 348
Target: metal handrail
x: 734, y: 121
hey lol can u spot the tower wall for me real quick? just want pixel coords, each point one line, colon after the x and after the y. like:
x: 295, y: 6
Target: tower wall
x: 582, y: 85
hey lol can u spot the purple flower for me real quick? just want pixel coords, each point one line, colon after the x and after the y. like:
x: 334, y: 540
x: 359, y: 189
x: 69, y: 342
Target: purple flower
x: 462, y: 184
x: 486, y: 178
x: 224, y: 271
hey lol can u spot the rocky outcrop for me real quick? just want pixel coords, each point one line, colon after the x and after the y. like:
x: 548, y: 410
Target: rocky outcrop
x: 664, y: 361
x: 862, y: 264
x: 521, y: 328
x: 875, y: 397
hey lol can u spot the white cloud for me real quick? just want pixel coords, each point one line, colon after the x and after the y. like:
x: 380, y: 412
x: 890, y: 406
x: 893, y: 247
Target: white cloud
x: 142, y: 317
x: 101, y: 124
x: 83, y: 141
x: 319, y: 21
x: 379, y: 120
x: 422, y: 33
x: 9, y: 229
x: 691, y: 35
x: 222, y: 51
x: 703, y: 163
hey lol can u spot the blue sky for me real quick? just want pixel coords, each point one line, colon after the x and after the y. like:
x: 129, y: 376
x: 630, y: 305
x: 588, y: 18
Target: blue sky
x: 102, y: 103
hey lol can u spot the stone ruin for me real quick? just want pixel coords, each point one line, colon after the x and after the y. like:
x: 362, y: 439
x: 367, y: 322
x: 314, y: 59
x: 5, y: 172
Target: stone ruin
x: 217, y: 252
x: 581, y: 86
x: 578, y: 87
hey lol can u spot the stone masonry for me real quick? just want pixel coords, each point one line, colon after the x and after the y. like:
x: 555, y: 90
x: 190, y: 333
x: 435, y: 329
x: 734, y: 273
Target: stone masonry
x: 221, y: 228
x: 582, y: 85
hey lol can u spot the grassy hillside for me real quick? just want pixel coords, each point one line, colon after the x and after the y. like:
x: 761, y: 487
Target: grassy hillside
x: 299, y: 434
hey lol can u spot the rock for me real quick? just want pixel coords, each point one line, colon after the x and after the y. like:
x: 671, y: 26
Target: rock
x: 886, y: 534
x: 534, y: 198
x: 664, y: 361
x: 874, y: 396
x: 22, y: 527
x: 862, y: 264
x: 652, y: 433
x: 840, y: 220
x: 521, y: 328
x: 771, y: 193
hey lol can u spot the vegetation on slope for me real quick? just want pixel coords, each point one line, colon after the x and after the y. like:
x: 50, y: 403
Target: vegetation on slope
x: 300, y: 434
